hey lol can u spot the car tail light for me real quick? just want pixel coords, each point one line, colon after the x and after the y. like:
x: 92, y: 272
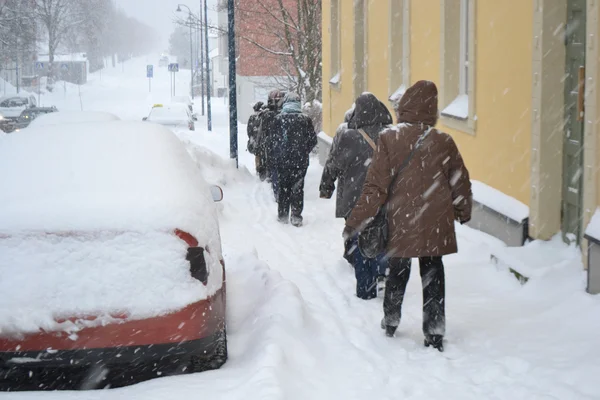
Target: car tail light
x: 195, y: 256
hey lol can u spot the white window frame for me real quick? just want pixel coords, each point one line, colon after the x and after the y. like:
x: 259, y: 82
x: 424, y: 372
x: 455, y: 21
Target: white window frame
x: 464, y: 48
x: 457, y: 67
x: 361, y: 46
x: 336, y: 44
x: 399, y: 29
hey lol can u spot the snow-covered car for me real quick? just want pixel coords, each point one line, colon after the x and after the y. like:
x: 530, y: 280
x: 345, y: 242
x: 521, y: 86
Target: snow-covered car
x: 11, y: 108
x: 30, y: 114
x: 187, y: 100
x: 176, y: 116
x: 110, y: 258
x: 72, y: 117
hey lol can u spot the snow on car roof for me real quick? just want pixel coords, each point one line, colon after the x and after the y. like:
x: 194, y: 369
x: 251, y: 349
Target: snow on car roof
x: 115, y: 176
x: 48, y: 279
x: 177, y: 111
x: 71, y: 117
x: 182, y: 99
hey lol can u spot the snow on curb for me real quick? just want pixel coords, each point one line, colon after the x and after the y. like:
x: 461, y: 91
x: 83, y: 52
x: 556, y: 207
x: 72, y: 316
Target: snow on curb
x: 499, y: 202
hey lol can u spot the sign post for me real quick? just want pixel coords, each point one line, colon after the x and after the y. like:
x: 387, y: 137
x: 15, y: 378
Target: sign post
x: 173, y: 68
x: 150, y: 75
x: 39, y: 66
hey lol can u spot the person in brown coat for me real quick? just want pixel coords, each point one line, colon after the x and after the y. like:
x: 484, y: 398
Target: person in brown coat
x: 428, y: 195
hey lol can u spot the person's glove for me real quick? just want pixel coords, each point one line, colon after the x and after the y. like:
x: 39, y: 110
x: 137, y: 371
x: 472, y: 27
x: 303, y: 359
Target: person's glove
x: 347, y: 233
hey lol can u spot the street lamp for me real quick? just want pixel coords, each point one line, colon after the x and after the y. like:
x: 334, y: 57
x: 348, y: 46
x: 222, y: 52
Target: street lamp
x: 208, y: 77
x: 191, y: 48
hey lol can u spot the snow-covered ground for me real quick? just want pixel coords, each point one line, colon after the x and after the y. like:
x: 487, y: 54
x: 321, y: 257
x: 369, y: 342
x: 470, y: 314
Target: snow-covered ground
x: 296, y: 330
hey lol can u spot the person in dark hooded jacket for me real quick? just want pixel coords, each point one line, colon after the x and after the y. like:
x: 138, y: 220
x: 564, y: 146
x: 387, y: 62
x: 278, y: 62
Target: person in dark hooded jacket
x: 266, y: 133
x: 348, y: 163
x: 252, y: 129
x: 290, y: 148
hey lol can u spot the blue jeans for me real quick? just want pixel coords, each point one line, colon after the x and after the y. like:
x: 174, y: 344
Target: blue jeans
x: 274, y: 182
x: 366, y: 270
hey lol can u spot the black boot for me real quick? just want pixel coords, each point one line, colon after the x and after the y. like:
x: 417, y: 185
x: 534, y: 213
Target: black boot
x: 389, y: 330
x: 435, y: 341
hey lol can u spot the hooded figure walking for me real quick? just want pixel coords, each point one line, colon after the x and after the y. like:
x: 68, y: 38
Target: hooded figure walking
x: 253, y: 147
x: 431, y: 192
x: 348, y: 162
x: 290, y: 148
x: 266, y: 133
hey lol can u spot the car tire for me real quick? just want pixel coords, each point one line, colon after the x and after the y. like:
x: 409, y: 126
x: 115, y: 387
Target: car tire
x: 216, y: 359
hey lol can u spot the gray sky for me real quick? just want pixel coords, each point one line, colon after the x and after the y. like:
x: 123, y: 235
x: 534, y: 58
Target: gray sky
x: 160, y: 13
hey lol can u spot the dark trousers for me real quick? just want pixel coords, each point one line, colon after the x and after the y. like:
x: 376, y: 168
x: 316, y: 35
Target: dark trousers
x: 432, y: 279
x: 290, y: 191
x: 366, y: 270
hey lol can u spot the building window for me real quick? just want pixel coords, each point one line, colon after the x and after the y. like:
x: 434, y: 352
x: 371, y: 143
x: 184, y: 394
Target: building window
x: 399, y: 48
x: 335, y: 43
x: 361, y: 56
x: 457, y: 97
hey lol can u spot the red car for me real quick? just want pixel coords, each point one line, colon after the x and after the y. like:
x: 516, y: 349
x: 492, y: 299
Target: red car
x: 110, y: 257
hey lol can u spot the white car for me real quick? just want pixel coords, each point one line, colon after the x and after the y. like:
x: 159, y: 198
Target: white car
x: 187, y: 100
x: 111, y: 264
x: 176, y: 116
x: 72, y: 117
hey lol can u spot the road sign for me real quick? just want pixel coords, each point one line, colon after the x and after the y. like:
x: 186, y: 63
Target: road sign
x: 150, y: 71
x: 39, y: 65
x: 64, y: 67
x: 174, y: 67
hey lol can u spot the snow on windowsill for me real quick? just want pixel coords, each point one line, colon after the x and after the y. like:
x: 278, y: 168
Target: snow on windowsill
x: 593, y: 228
x: 499, y: 202
x: 336, y: 79
x: 459, y: 108
x: 397, y: 95
x: 325, y: 137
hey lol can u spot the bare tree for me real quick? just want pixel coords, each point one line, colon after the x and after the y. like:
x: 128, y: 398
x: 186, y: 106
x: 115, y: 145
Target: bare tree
x: 287, y: 34
x: 58, y: 17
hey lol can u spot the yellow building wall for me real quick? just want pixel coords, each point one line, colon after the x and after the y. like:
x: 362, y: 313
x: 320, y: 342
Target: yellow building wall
x: 338, y: 99
x: 499, y: 152
x: 378, y: 70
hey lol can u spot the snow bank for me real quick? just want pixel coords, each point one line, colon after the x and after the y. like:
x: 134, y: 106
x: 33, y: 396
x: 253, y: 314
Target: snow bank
x: 72, y: 117
x: 593, y: 228
x: 325, y: 137
x: 499, y: 202
x: 115, y: 176
x: 49, y: 277
x: 539, y: 258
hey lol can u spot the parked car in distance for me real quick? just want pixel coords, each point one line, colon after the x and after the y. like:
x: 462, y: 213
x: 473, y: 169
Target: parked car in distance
x: 11, y: 108
x: 187, y: 100
x: 176, y: 116
x: 18, y: 101
x: 110, y: 257
x: 72, y: 117
x: 30, y: 114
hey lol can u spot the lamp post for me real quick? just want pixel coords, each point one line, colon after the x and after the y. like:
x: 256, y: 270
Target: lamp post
x: 201, y: 58
x: 233, y: 133
x: 208, y: 77
x: 191, y: 48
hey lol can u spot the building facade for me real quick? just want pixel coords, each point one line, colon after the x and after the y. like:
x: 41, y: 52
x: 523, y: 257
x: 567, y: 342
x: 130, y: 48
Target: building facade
x: 259, y: 68
x: 518, y: 92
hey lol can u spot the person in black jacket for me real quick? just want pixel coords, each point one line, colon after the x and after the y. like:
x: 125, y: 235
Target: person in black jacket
x: 252, y: 129
x: 348, y: 163
x: 265, y: 132
x: 290, y: 148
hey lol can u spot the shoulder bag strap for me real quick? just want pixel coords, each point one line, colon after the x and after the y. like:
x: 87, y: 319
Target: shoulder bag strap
x: 368, y: 139
x: 410, y: 156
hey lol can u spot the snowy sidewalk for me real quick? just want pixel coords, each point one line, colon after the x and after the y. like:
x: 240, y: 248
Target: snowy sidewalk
x: 296, y: 330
